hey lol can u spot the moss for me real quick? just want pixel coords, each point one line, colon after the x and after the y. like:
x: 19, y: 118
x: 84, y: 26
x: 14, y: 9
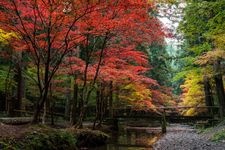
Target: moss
x: 6, y: 146
x: 219, y: 136
x: 41, y: 137
x: 89, y: 138
x: 45, y: 138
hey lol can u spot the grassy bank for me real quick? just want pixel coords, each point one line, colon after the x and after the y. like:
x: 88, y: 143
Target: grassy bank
x: 215, y: 133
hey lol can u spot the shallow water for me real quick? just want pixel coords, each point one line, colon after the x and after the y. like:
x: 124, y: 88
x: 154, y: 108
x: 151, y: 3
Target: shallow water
x: 132, y: 138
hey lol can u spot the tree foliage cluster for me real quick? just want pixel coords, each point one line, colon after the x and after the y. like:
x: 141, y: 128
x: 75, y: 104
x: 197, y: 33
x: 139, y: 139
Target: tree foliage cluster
x: 203, y: 52
x: 82, y: 52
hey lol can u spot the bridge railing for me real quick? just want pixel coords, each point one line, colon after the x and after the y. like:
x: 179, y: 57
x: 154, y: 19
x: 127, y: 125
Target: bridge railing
x: 169, y: 111
x: 161, y: 113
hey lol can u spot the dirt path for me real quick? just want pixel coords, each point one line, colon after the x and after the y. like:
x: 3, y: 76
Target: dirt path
x: 182, y: 137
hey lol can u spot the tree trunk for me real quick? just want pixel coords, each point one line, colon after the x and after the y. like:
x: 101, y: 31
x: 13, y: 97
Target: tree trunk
x: 2, y: 101
x: 208, y: 95
x: 111, y: 99
x: 39, y: 106
x: 52, y: 112
x: 81, y: 111
x: 97, y: 108
x: 103, y: 102
x: 44, y: 113
x: 36, y: 115
x: 68, y: 105
x: 20, y: 83
x: 73, y: 117
x: 219, y: 88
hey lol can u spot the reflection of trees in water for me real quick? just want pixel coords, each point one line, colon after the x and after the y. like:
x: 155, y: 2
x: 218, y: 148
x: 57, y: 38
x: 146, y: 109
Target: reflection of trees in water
x: 132, y: 139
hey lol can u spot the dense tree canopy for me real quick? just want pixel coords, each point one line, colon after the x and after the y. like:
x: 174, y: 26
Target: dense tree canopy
x: 88, y: 47
x: 203, y: 34
x: 77, y: 55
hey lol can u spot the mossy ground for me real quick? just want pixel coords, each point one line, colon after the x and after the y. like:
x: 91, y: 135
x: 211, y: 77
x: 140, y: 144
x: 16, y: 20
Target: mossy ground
x: 39, y: 137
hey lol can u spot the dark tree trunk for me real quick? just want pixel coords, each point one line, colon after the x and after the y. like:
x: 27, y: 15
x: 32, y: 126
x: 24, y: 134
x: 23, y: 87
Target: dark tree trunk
x: 68, y: 104
x: 20, y: 86
x: 111, y: 99
x: 219, y: 87
x: 2, y: 101
x: 39, y: 106
x: 103, y: 104
x: 52, y: 112
x: 97, y: 108
x: 208, y: 95
x: 36, y: 115
x: 73, y: 118
x: 81, y: 110
x: 220, y: 93
x: 10, y: 106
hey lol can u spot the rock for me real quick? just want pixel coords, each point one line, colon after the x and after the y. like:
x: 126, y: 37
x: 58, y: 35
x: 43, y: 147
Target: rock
x: 90, y: 138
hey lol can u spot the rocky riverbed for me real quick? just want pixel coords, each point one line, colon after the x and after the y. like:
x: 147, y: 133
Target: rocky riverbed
x: 183, y: 137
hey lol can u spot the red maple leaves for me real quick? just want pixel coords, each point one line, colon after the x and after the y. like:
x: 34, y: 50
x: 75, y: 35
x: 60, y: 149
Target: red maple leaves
x: 96, y: 40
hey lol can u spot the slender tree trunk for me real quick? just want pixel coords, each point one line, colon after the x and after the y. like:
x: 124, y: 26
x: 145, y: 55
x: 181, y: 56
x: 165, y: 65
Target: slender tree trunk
x: 79, y: 123
x: 103, y: 103
x: 67, y: 107
x: 36, y: 115
x: 73, y: 118
x: 47, y: 105
x: 52, y: 112
x: 2, y: 101
x: 20, y: 84
x: 97, y: 108
x: 39, y: 106
x: 44, y: 113
x: 111, y: 99
x: 51, y: 104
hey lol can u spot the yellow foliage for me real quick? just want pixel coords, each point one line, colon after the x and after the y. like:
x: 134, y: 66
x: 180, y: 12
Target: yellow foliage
x: 219, y: 40
x: 136, y: 94
x: 193, y: 92
x: 211, y: 56
x: 190, y: 112
x: 6, y: 36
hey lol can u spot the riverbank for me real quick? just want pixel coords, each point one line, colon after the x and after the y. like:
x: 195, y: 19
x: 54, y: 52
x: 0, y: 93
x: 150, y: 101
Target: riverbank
x: 184, y: 137
x: 28, y: 137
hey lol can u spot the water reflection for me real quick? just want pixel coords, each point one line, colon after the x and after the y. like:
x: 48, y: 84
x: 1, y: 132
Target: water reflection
x: 132, y: 139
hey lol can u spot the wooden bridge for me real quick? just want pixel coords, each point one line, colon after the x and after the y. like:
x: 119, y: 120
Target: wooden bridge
x: 170, y: 114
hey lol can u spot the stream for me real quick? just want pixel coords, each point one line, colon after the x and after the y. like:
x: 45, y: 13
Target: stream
x: 132, y: 138
x: 178, y: 137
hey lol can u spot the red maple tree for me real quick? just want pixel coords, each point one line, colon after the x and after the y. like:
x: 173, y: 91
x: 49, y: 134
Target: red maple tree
x: 46, y: 29
x: 106, y: 33
x: 109, y: 50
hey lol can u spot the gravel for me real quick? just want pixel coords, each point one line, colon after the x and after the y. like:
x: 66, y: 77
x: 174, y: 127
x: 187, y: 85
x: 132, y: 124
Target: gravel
x: 183, y: 137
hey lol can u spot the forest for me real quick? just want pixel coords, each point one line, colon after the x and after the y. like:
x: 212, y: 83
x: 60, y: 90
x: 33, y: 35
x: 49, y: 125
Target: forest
x: 85, y: 65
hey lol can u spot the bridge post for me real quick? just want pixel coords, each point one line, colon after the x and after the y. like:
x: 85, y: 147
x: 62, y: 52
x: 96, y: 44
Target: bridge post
x: 163, y: 121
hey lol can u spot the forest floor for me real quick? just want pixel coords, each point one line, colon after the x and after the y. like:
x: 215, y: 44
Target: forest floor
x: 184, y: 137
x: 12, y: 131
